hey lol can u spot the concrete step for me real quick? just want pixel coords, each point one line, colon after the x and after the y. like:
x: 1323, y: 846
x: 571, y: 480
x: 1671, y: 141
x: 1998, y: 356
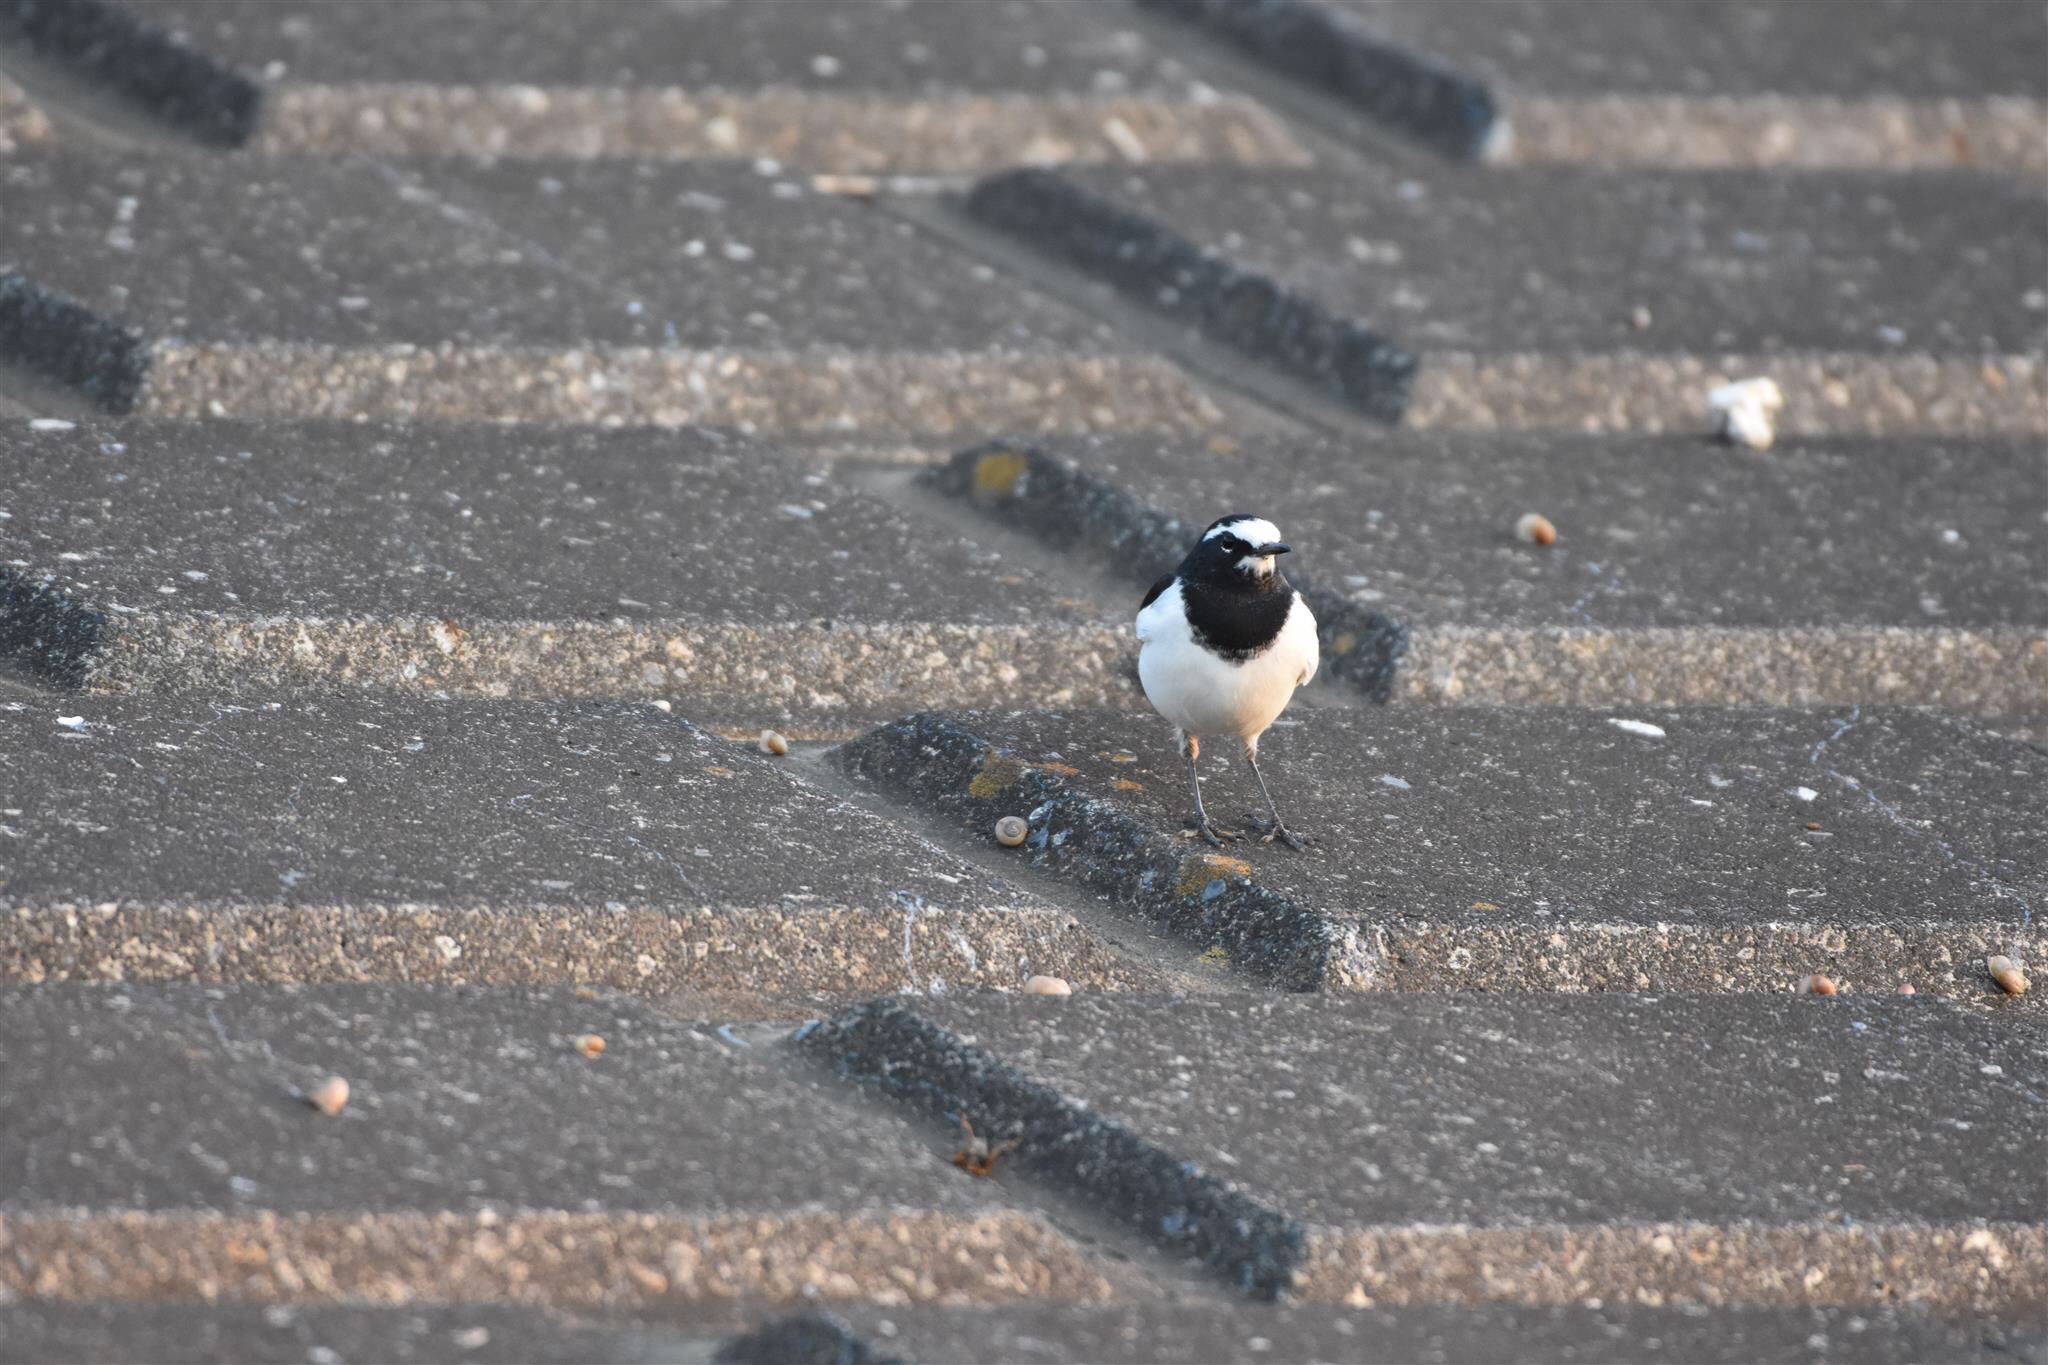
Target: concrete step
x: 610, y: 292
x: 156, y: 1148
x: 1497, y: 849
x: 1829, y: 571
x: 1582, y: 299
x: 1912, y: 83
x: 1246, y: 1334
x: 925, y: 87
x: 362, y: 838
x: 59, y: 1332
x: 1593, y: 1150
x: 752, y: 587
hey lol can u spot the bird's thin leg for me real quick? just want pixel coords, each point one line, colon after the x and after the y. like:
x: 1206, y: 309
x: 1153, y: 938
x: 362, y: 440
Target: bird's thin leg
x: 1191, y: 747
x: 1277, y: 830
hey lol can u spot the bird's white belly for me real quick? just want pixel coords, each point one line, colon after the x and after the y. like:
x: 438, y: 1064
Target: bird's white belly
x: 1207, y: 695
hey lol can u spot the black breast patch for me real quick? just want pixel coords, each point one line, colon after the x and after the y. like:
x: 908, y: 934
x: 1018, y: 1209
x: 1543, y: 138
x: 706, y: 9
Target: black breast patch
x: 1234, y: 623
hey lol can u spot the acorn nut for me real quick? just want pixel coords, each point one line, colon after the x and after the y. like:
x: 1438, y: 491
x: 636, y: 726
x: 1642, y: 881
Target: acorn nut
x: 1010, y: 831
x: 330, y: 1097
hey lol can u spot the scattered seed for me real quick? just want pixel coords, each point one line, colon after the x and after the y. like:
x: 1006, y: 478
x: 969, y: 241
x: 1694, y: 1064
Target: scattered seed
x: 1536, y: 528
x: 773, y: 743
x: 589, y: 1044
x: 2009, y: 974
x: 330, y: 1097
x: 1813, y: 824
x: 1818, y: 985
x: 1010, y: 831
x: 1046, y: 985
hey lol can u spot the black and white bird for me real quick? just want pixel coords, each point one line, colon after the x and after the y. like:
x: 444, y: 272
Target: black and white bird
x: 1223, y: 641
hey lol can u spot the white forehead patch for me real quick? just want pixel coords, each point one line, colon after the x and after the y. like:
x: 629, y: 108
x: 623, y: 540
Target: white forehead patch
x: 1253, y: 531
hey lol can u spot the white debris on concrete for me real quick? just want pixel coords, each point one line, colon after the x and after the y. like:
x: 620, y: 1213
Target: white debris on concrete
x: 1637, y: 727
x: 1742, y: 412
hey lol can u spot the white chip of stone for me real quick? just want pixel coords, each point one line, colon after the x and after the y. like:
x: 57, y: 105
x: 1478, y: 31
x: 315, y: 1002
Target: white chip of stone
x: 50, y: 424
x: 1806, y: 793
x: 1741, y: 413
x: 72, y: 722
x: 1637, y: 727
x: 1398, y: 783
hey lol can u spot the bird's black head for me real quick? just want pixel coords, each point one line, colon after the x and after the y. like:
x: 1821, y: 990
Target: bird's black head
x: 1237, y: 551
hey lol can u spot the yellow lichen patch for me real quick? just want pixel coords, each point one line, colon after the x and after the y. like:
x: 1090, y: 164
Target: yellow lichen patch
x: 999, y: 471
x: 1198, y: 871
x: 1063, y: 769
x: 1484, y: 905
x: 1215, y: 956
x: 1344, y: 643
x: 1124, y: 784
x: 719, y: 772
x: 1123, y: 756
x: 996, y: 775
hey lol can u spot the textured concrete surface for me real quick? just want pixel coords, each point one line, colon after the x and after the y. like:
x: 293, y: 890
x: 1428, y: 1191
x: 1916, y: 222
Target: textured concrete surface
x: 1584, y: 298
x: 160, y: 838
x: 1566, y: 849
x: 1922, y: 48
x: 1461, y: 1335
x: 36, y: 1333
x: 750, y: 586
x: 543, y: 276
x: 480, y: 1144
x: 1830, y: 570
x: 1798, y: 1151
x: 923, y: 87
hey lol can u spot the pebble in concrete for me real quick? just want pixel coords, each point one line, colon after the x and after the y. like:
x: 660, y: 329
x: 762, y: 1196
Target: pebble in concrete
x: 482, y: 1160
x: 1772, y: 1153
x: 354, y: 838
x: 548, y: 292
x: 483, y: 561
x: 1526, y: 292
x: 1836, y: 570
x: 1488, y: 849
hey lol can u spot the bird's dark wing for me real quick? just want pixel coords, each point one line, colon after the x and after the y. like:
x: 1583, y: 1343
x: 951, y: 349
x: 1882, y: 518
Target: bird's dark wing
x: 1153, y: 596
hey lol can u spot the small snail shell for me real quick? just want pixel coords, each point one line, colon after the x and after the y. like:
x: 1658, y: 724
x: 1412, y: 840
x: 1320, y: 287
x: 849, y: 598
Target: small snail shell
x: 1046, y: 985
x: 773, y: 743
x: 1536, y: 527
x: 589, y: 1044
x: 1010, y: 831
x: 1818, y: 985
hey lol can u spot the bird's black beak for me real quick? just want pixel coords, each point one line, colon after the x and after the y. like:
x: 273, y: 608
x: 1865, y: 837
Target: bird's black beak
x: 1276, y: 548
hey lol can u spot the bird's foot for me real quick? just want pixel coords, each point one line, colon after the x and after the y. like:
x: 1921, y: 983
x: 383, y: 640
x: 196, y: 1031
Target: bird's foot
x: 1211, y: 835
x: 1270, y: 831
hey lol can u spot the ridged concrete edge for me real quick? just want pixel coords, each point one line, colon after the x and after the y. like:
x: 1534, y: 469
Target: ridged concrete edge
x: 541, y: 1257
x: 934, y: 761
x: 866, y: 668
x: 1206, y: 898
x: 103, y: 44
x: 62, y: 340
x: 845, y: 132
x: 1409, y: 91
x: 830, y: 390
x: 1067, y: 507
x: 842, y: 952
x: 1156, y: 266
x: 1990, y: 1267
x: 1166, y: 1198
x: 802, y: 1339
